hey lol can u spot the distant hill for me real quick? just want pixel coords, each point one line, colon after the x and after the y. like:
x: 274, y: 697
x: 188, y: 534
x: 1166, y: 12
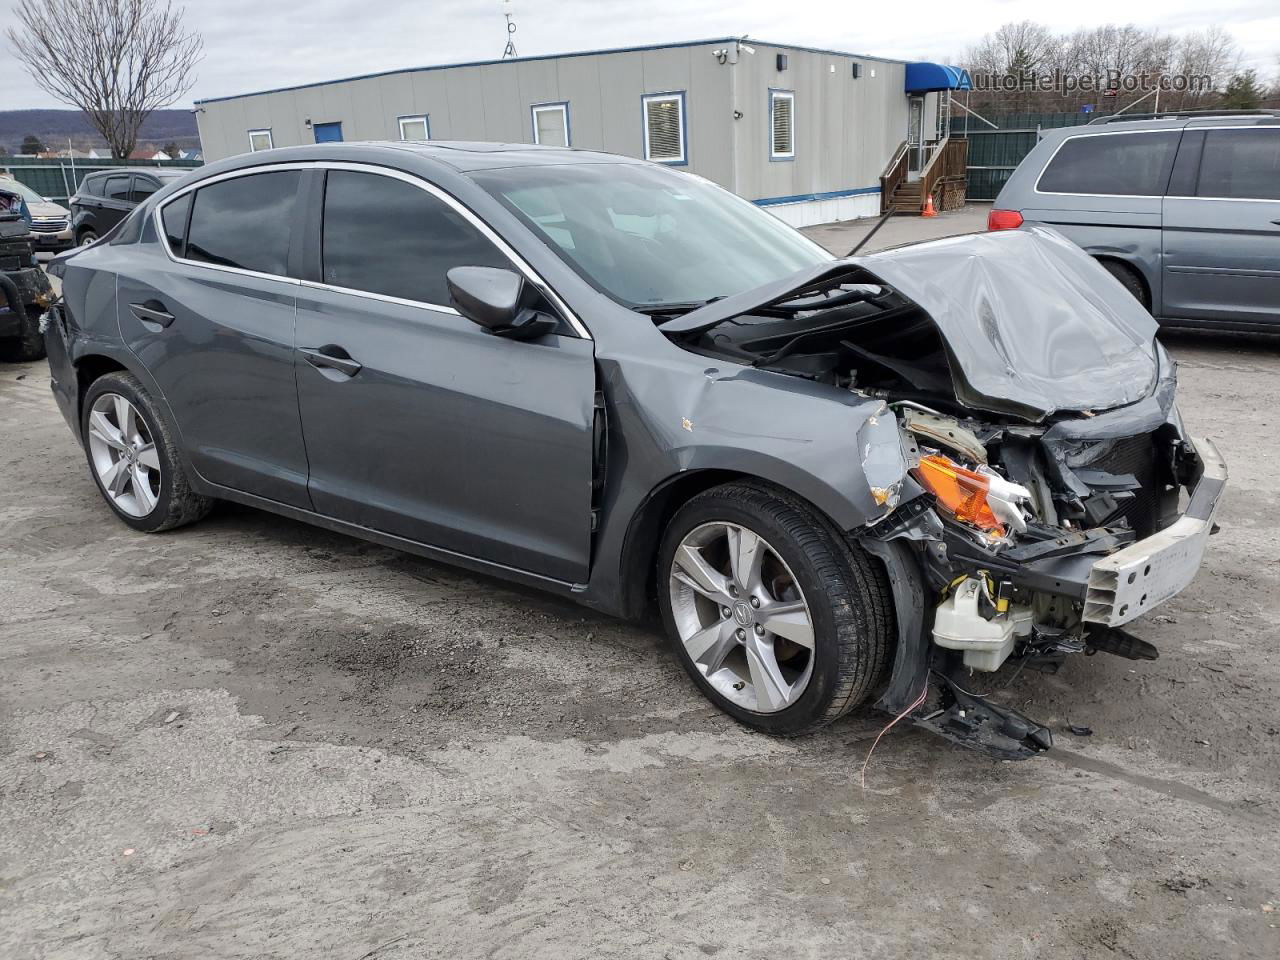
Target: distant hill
x: 53, y: 127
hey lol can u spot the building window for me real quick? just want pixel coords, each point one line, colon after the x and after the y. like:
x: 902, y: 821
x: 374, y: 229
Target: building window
x: 259, y: 140
x: 664, y: 128
x: 551, y: 124
x: 782, y: 126
x: 415, y: 128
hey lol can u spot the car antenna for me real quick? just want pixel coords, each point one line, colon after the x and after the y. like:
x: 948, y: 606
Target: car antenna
x: 871, y: 233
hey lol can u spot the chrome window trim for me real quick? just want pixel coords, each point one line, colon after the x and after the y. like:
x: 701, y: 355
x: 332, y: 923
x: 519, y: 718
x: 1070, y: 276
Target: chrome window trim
x: 448, y: 199
x: 1142, y: 196
x: 1109, y: 133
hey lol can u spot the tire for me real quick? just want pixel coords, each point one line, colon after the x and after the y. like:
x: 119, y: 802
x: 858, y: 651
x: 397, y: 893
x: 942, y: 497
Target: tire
x: 1129, y: 279
x: 844, y: 591
x: 29, y: 344
x: 86, y: 237
x: 168, y: 500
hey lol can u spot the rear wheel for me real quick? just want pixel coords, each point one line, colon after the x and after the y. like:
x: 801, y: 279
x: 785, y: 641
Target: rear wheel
x: 781, y: 622
x: 1129, y: 279
x: 133, y: 457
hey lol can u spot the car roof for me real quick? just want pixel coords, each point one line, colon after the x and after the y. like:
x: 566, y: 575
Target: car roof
x: 462, y: 156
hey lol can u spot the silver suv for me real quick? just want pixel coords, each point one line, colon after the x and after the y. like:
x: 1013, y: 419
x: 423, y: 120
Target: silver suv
x: 1184, y: 211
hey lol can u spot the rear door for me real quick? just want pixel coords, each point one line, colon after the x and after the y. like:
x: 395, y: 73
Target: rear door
x: 209, y: 309
x: 418, y: 422
x: 1222, y: 227
x: 115, y: 202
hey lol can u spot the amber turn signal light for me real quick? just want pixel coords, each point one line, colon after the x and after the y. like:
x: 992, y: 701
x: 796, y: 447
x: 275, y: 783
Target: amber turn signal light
x: 961, y: 492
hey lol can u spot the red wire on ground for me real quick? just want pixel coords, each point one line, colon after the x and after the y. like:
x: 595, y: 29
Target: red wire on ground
x: 919, y: 700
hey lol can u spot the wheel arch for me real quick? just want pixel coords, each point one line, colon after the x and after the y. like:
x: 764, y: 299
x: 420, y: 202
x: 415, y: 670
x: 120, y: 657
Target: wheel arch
x: 1135, y: 268
x: 638, y: 562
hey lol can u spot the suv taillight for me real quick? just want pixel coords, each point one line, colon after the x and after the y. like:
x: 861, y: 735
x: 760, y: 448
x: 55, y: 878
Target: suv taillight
x: 1004, y: 220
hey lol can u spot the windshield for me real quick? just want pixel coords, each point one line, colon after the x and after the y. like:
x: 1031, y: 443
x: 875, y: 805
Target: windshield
x: 21, y: 189
x: 650, y: 237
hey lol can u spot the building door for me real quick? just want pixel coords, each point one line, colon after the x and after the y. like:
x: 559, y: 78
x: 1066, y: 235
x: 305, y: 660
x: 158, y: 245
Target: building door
x: 915, y: 136
x: 328, y: 132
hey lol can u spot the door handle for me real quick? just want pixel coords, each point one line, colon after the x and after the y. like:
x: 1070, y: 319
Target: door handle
x: 332, y: 357
x: 152, y: 311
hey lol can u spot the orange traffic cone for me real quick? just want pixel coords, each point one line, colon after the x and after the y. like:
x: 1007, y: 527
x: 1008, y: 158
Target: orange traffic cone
x: 928, y: 210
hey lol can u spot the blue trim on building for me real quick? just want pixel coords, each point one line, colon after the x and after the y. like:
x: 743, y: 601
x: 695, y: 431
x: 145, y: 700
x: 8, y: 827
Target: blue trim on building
x: 684, y: 127
x: 549, y: 56
x: 811, y: 197
x: 774, y: 158
x: 533, y: 120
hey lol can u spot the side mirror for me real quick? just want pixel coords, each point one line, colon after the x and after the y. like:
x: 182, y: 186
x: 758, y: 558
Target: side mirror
x: 498, y: 300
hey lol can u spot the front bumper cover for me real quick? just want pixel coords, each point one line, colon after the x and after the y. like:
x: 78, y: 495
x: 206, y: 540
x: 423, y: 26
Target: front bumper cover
x: 1131, y: 581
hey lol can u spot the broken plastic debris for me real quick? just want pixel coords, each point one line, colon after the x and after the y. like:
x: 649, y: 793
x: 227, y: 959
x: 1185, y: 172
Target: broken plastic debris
x: 1080, y: 730
x: 173, y: 715
x: 128, y: 851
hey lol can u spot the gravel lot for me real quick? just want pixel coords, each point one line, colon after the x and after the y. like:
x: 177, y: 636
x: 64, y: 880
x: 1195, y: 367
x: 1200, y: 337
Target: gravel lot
x: 251, y: 738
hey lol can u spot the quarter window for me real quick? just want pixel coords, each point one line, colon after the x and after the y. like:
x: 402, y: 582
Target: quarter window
x: 386, y: 236
x: 259, y: 140
x: 782, y: 145
x: 551, y: 124
x: 1120, y: 164
x: 664, y: 127
x: 245, y: 222
x: 1240, y: 165
x: 415, y: 128
x: 174, y: 216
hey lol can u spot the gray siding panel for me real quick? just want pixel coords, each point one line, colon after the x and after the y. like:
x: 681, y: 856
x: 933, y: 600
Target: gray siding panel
x: 846, y: 129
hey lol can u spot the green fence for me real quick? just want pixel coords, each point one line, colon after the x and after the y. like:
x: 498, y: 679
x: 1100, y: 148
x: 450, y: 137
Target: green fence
x: 58, y: 178
x: 995, y: 153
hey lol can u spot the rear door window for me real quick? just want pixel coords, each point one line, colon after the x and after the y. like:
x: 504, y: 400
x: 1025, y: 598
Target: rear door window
x: 143, y: 187
x: 1118, y: 164
x: 385, y: 236
x: 1240, y: 165
x: 245, y: 222
x: 117, y: 188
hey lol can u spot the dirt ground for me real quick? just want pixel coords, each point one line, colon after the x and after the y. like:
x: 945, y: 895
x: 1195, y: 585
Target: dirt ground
x: 251, y: 738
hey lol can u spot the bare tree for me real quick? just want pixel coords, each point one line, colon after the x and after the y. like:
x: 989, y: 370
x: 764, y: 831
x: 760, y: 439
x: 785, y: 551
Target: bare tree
x: 117, y: 60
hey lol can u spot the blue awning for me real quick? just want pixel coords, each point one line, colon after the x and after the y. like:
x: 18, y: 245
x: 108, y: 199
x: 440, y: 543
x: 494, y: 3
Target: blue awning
x: 923, y: 77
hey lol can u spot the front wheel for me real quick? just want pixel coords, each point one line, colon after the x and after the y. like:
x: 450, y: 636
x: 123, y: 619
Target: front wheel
x: 779, y: 620
x: 87, y: 237
x: 134, y: 459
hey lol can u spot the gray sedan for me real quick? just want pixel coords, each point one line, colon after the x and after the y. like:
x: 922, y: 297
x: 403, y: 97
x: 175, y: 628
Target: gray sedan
x: 839, y: 480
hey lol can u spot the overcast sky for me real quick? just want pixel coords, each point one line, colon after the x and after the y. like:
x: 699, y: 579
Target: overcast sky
x: 257, y: 44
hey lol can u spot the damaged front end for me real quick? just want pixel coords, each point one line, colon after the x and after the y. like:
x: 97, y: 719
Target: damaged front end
x: 1052, y: 494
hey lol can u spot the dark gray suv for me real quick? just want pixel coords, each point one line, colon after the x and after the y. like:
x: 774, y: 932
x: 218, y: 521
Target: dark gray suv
x: 1184, y: 211
x: 838, y: 480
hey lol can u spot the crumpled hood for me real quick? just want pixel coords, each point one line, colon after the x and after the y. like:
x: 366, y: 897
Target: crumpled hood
x: 1032, y: 323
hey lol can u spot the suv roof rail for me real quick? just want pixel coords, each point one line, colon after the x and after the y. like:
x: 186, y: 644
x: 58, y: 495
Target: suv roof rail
x: 1179, y: 114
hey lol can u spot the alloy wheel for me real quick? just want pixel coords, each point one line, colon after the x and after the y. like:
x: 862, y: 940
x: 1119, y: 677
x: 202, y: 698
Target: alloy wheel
x: 742, y: 617
x: 124, y: 455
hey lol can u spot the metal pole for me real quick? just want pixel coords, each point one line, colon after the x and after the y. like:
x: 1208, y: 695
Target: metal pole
x: 71, y: 152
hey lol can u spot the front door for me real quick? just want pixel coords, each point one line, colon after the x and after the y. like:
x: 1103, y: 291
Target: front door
x: 417, y: 422
x: 116, y: 202
x: 915, y: 136
x: 213, y: 323
x: 1222, y: 228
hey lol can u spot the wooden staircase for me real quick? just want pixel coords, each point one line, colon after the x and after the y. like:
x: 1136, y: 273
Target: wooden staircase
x: 944, y: 177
